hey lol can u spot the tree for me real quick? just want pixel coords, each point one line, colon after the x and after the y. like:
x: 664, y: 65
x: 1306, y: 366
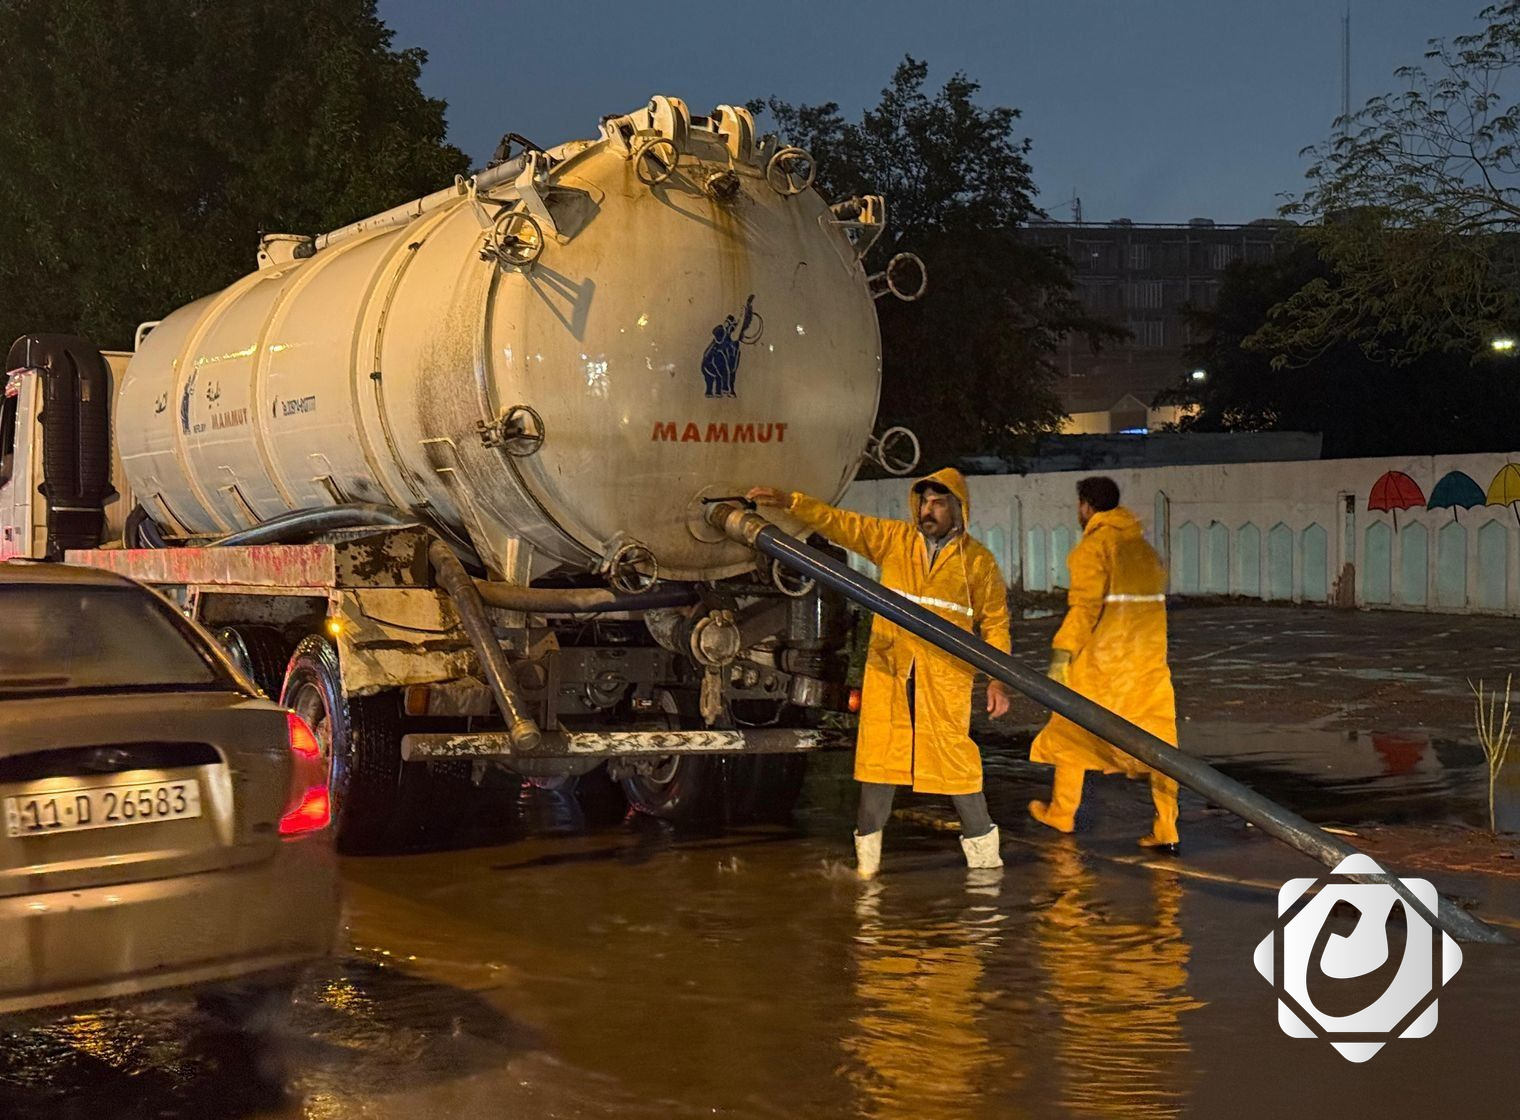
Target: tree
x: 1415, y: 207
x: 969, y: 367
x: 143, y: 147
x: 1363, y: 405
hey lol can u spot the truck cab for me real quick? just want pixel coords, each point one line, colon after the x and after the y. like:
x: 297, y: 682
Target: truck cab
x: 91, y: 497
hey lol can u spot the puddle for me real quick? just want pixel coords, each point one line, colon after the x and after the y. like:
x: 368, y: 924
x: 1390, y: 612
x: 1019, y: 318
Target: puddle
x: 1384, y: 777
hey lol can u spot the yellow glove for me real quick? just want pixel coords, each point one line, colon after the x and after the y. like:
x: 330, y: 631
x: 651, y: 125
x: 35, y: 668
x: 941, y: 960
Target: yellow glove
x: 1060, y: 662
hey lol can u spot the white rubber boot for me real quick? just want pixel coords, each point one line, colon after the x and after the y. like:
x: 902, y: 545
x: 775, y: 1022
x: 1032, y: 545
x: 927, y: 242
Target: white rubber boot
x: 868, y: 854
x: 982, y: 851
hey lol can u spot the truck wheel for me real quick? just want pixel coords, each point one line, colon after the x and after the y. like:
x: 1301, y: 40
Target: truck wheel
x: 261, y: 652
x: 684, y: 789
x: 373, y: 799
x: 734, y: 790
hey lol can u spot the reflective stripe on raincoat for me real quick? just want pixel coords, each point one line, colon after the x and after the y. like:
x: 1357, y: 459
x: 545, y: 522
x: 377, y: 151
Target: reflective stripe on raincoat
x: 964, y: 588
x: 1115, y: 631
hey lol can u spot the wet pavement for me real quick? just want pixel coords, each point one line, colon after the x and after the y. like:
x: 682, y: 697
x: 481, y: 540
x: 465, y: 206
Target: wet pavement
x: 592, y: 966
x: 629, y: 970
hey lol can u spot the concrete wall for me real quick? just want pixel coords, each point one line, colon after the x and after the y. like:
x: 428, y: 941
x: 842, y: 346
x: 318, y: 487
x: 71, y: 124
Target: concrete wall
x: 1295, y: 531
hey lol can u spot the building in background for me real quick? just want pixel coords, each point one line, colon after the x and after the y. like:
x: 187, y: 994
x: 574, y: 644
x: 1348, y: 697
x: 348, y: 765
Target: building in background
x: 1140, y: 276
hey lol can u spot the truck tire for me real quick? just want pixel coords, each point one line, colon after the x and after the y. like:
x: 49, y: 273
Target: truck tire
x: 375, y: 796
x: 750, y: 789
x: 261, y: 652
x: 683, y: 789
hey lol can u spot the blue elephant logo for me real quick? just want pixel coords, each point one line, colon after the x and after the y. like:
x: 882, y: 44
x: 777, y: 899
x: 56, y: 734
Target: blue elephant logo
x: 720, y: 362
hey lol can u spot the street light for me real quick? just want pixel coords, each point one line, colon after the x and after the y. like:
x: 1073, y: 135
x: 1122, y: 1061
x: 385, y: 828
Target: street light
x: 1502, y: 345
x: 1203, y: 374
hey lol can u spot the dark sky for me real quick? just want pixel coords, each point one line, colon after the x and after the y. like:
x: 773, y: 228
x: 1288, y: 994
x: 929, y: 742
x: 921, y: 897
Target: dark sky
x: 1155, y: 110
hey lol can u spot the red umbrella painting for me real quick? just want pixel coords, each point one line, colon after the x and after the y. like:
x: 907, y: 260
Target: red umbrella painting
x: 1394, y: 491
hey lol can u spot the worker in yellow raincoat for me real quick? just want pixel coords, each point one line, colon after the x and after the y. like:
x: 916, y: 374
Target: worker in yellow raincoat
x: 1112, y: 649
x: 916, y: 703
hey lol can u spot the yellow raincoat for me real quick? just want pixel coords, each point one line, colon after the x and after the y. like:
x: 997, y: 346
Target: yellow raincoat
x: 963, y: 587
x: 1115, y: 631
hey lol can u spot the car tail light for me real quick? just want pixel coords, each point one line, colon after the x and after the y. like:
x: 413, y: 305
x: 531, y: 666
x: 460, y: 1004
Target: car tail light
x: 309, y: 808
x: 854, y: 702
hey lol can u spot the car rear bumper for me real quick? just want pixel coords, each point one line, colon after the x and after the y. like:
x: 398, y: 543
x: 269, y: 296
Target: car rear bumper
x: 86, y: 945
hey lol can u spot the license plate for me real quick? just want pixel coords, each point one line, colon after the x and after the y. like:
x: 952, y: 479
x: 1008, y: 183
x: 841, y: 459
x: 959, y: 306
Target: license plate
x: 74, y: 810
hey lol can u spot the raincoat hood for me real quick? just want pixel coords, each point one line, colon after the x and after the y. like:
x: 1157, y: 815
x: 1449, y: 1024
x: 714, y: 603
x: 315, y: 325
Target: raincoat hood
x: 953, y: 481
x: 1125, y: 523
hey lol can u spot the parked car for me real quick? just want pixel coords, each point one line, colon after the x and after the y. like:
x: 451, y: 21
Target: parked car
x: 164, y: 825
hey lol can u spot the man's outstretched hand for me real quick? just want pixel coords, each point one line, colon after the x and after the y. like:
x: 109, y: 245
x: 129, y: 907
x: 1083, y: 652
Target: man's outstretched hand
x: 769, y: 496
x: 998, y: 699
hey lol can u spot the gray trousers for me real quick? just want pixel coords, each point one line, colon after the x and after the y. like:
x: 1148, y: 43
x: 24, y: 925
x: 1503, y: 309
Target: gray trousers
x: 876, y: 798
x: 876, y: 807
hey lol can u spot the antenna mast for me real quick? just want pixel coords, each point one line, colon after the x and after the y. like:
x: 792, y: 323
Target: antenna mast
x: 1346, y: 68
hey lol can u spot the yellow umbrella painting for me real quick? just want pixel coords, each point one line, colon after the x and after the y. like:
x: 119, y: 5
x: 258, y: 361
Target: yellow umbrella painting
x: 1504, y: 490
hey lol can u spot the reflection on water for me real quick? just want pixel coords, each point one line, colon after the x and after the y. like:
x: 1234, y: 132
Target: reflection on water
x: 1355, y: 777
x: 1068, y: 1004
x: 1117, y: 971
x: 919, y: 1041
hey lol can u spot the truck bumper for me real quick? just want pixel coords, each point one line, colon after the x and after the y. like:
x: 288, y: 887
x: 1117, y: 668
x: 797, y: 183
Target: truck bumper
x: 620, y: 744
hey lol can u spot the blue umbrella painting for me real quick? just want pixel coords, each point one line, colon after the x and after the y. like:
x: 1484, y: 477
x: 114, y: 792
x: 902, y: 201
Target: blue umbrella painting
x: 1457, y: 490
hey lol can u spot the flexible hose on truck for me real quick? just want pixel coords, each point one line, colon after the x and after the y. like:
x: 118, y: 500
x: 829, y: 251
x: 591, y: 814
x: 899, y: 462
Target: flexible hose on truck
x: 309, y: 522
x: 451, y: 576
x: 751, y: 529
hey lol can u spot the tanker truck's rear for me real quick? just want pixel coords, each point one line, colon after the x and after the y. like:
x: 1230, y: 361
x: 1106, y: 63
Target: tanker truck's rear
x: 548, y: 367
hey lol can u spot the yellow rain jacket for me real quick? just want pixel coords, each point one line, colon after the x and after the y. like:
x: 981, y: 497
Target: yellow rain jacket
x: 1115, y: 631
x: 963, y: 587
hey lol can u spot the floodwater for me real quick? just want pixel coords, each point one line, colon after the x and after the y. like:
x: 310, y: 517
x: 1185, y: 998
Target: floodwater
x: 626, y: 970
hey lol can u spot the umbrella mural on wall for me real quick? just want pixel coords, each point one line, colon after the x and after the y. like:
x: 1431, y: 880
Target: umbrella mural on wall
x: 1504, y: 490
x: 1394, y: 491
x: 1457, y: 490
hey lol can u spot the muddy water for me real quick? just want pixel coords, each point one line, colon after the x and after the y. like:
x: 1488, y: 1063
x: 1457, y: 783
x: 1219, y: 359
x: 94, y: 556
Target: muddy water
x: 628, y: 971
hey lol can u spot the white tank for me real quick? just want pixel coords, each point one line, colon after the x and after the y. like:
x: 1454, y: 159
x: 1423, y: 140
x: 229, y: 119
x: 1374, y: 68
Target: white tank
x: 680, y: 311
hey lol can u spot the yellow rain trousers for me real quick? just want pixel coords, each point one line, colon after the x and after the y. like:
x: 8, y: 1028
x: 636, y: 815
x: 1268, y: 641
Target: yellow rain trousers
x: 963, y: 587
x: 1115, y: 631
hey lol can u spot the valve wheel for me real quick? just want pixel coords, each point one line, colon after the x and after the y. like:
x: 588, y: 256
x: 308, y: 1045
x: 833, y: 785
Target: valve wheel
x: 881, y: 451
x: 789, y: 583
x: 633, y: 569
x: 650, y: 165
x: 791, y: 171
x: 531, y: 435
x: 902, y: 293
x: 516, y: 239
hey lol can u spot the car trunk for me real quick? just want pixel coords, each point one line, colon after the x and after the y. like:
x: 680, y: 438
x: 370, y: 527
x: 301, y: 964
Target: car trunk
x: 98, y: 789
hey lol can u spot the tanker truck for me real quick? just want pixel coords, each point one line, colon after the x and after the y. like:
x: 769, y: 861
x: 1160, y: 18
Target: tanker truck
x: 437, y: 479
